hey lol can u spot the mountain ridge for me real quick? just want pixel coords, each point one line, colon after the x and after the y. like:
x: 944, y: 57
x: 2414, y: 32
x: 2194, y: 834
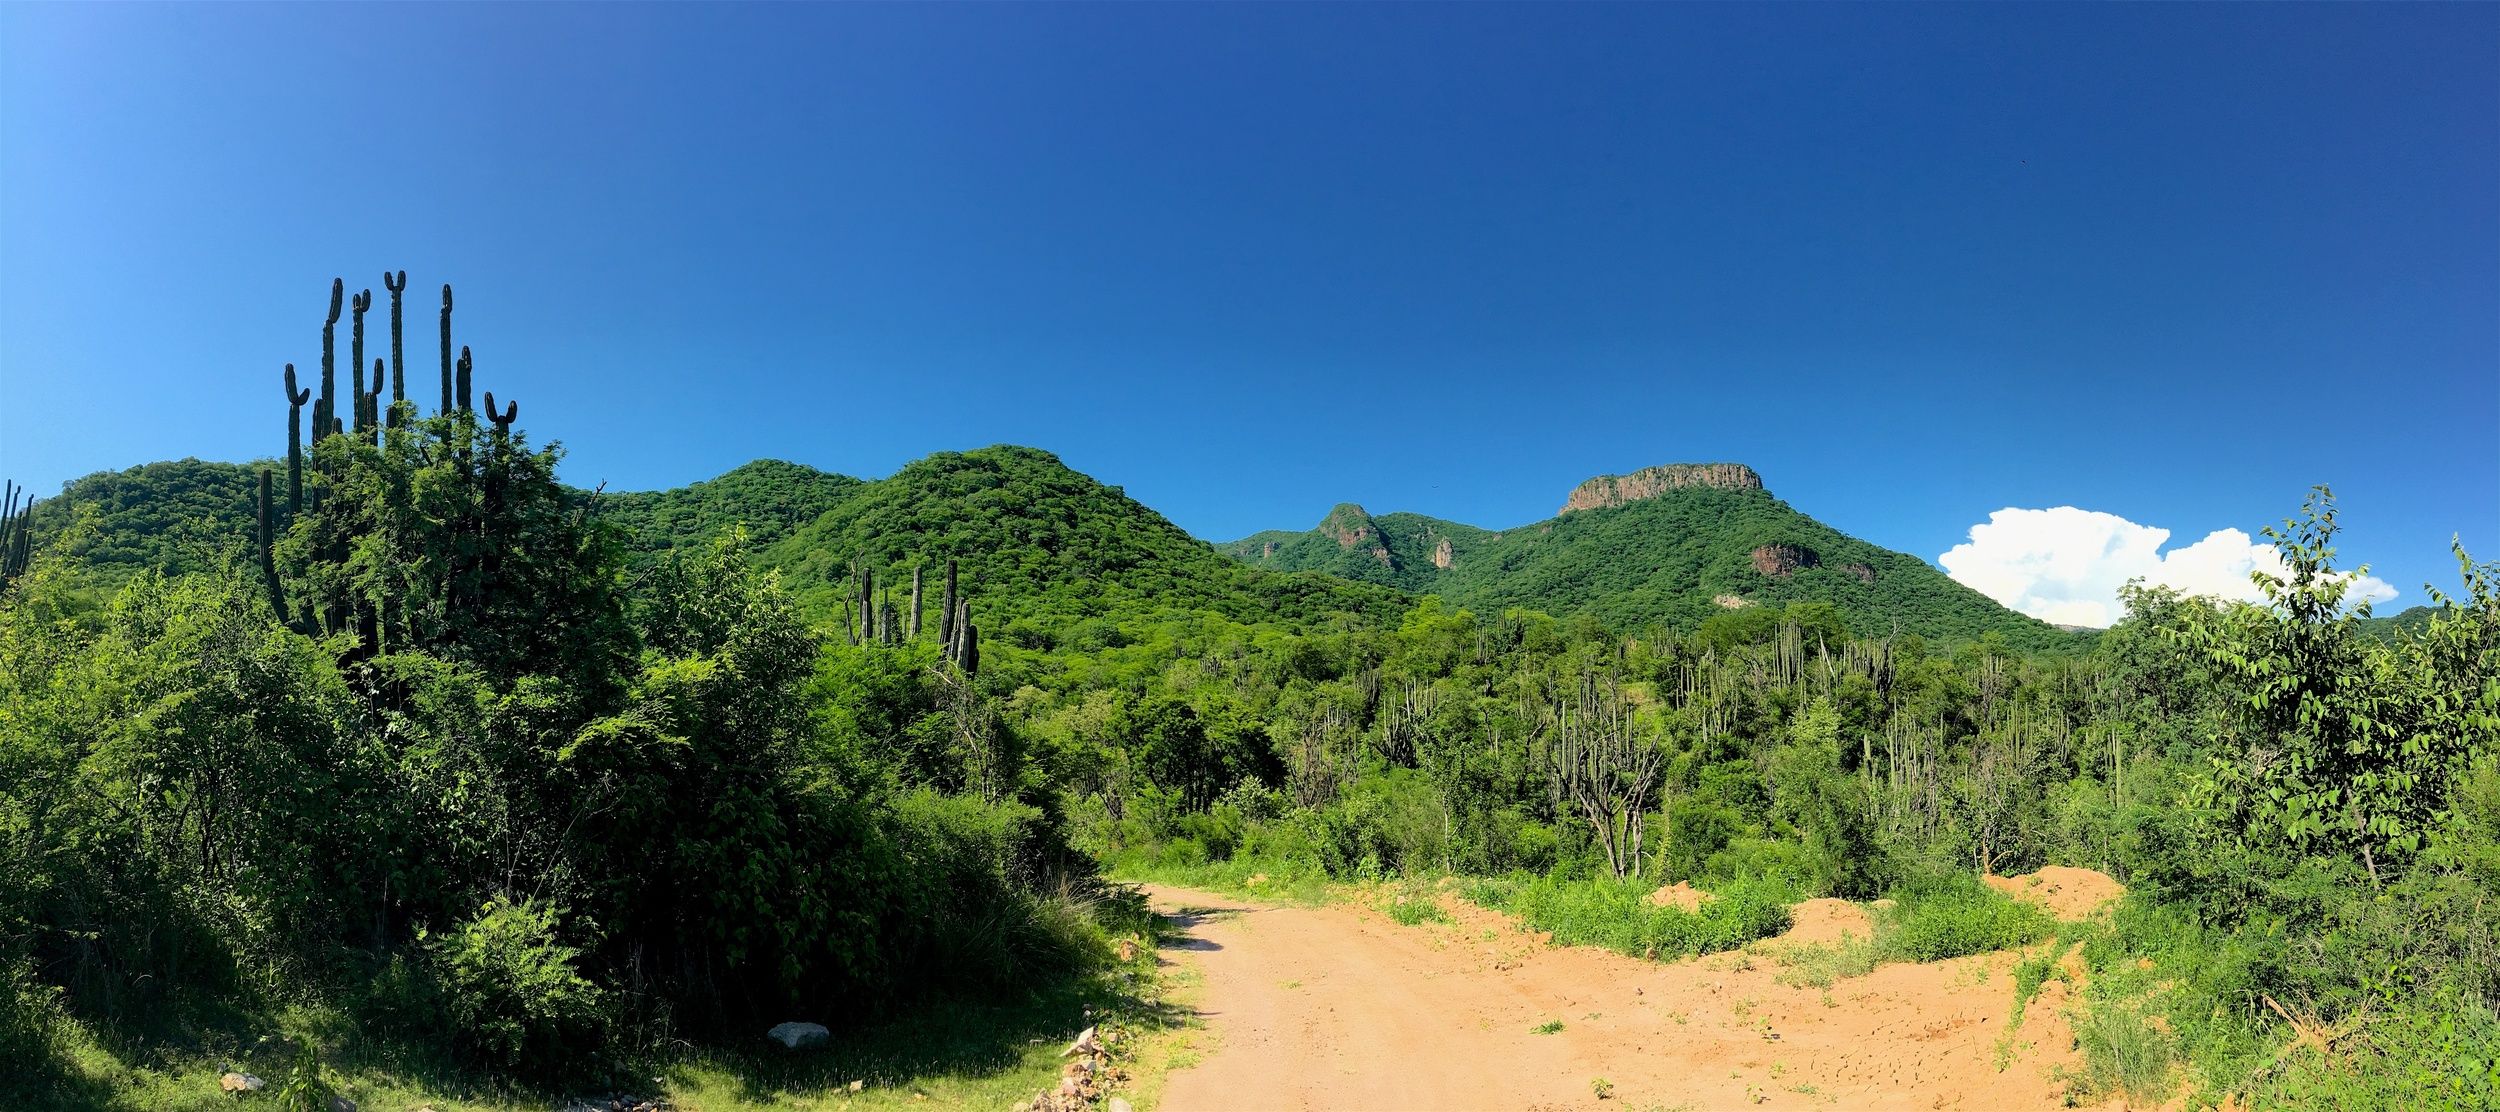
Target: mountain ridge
x: 1672, y: 544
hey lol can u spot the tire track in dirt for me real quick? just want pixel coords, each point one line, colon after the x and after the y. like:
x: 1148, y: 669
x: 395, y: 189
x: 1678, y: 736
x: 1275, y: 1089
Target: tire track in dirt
x: 1339, y: 1007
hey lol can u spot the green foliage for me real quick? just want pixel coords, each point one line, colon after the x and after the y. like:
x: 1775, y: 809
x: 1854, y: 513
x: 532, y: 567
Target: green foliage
x: 1619, y: 915
x: 1951, y: 918
x: 512, y: 991
x: 1660, y: 561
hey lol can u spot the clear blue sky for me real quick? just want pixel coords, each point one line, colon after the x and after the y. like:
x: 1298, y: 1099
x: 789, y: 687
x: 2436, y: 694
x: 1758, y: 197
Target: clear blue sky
x: 2174, y: 263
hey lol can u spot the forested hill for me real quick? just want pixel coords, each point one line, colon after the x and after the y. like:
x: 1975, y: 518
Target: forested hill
x: 1042, y: 548
x: 1670, y: 546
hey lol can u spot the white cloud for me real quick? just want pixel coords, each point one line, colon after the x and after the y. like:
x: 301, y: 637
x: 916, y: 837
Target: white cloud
x: 2065, y: 565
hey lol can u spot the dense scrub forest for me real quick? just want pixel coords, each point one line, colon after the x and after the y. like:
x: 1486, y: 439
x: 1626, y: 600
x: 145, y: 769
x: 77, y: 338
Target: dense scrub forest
x: 526, y: 785
x: 1663, y: 546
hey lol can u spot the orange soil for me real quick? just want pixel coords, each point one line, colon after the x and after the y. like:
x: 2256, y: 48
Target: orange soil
x: 1822, y: 922
x: 1340, y: 1007
x: 1680, y: 894
x: 2063, y: 891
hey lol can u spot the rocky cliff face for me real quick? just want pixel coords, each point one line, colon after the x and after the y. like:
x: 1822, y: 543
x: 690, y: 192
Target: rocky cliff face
x: 1352, y: 528
x: 1650, y: 482
x: 1779, y: 561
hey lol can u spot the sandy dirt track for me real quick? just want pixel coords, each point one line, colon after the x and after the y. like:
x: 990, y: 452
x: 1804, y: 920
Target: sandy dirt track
x: 1341, y: 1008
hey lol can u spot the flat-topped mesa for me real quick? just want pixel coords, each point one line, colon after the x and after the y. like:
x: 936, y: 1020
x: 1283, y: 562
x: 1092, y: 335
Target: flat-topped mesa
x: 1649, y: 482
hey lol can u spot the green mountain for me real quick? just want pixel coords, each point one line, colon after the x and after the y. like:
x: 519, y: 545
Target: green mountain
x: 1664, y: 545
x: 170, y: 516
x: 1042, y: 547
x: 770, y: 498
x: 1049, y: 555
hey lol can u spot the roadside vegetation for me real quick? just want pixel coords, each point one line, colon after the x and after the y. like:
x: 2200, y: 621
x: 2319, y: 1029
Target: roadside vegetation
x: 447, y: 783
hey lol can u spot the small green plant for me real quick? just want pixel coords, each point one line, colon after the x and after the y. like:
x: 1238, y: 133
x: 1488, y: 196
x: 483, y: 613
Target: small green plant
x: 1604, y: 1089
x: 512, y: 988
x: 1549, y: 1027
x: 304, y: 1090
x: 1416, y: 912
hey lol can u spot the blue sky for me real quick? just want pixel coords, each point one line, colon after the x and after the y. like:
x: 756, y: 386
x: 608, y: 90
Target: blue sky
x: 2172, y: 264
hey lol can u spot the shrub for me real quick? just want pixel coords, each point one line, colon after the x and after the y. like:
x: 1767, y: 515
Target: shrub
x: 1617, y: 914
x: 511, y: 989
x: 1952, y: 918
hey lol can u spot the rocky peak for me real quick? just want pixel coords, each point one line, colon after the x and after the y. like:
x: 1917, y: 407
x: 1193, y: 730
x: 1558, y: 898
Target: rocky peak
x: 1649, y: 482
x: 1349, y: 525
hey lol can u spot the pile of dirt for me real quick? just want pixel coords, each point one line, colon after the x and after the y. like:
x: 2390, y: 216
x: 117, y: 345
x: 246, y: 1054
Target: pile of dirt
x: 1825, y: 922
x: 1680, y: 895
x: 2068, y: 893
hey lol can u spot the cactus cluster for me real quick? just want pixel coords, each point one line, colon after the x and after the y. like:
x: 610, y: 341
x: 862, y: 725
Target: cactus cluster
x: 17, y: 508
x: 871, y: 617
x: 363, y: 413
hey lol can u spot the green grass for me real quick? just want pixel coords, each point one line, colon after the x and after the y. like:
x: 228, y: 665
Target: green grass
x: 1948, y: 920
x: 947, y: 1053
x: 1618, y: 915
x: 1956, y: 918
x: 1549, y: 1027
x: 1281, y: 881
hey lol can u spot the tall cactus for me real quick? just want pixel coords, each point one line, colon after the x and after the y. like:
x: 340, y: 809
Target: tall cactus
x: 373, y: 405
x: 359, y: 305
x: 268, y: 553
x: 915, y: 603
x: 295, y: 400
x: 328, y: 415
x: 399, y: 366
x: 946, y: 611
x: 461, y: 378
x: 446, y: 348
x: 503, y: 421
x: 16, y: 532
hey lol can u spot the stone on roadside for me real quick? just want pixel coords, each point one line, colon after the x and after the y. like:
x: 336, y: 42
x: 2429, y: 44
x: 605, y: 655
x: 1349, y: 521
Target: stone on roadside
x: 1119, y: 1104
x: 799, y: 1036
x: 240, y: 1083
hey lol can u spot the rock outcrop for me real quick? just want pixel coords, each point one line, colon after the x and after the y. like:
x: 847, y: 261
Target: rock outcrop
x: 1441, y: 555
x: 1779, y: 561
x: 1352, y: 528
x: 1607, y: 491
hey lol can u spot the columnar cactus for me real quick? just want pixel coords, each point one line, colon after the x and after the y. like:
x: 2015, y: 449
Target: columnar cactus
x: 268, y: 554
x: 328, y: 414
x: 446, y: 348
x: 359, y: 304
x: 373, y: 404
x: 946, y: 611
x: 16, y: 532
x: 295, y: 441
x: 915, y: 603
x: 399, y: 366
x: 503, y: 421
x: 461, y: 378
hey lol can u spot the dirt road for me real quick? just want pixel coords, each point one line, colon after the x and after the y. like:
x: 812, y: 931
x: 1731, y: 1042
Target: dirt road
x: 1341, y: 1008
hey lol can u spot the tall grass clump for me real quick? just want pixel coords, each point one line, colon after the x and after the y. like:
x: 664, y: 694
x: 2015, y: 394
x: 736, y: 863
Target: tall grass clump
x: 1949, y: 918
x: 1618, y: 914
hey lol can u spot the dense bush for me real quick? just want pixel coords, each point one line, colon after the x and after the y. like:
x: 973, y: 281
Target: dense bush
x: 1951, y: 918
x: 512, y: 991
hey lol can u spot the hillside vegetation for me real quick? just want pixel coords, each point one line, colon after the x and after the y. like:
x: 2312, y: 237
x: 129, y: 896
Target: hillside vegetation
x: 440, y: 777
x: 1674, y: 558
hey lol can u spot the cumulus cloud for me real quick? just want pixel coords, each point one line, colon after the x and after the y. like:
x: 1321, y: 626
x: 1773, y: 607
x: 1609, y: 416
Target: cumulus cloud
x: 2065, y: 565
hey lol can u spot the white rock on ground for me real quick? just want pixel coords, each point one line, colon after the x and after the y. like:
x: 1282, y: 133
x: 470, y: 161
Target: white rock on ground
x: 799, y: 1036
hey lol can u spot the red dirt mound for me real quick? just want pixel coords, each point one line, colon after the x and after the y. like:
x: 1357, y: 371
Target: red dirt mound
x: 2063, y: 891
